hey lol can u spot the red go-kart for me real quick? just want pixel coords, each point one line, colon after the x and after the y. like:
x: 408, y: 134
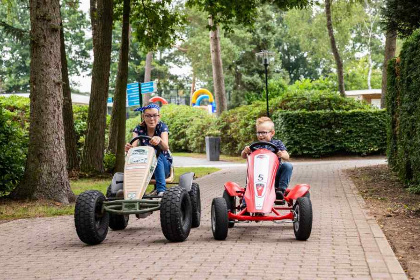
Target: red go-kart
x: 261, y: 201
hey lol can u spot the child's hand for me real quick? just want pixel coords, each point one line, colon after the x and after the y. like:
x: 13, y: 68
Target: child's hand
x: 280, y: 154
x: 155, y: 140
x: 128, y: 146
x: 247, y: 150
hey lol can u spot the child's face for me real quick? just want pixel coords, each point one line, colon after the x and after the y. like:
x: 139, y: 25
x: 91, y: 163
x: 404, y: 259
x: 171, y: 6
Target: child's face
x: 265, y: 132
x: 151, y: 117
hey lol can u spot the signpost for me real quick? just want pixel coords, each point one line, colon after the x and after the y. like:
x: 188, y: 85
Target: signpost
x: 134, y: 91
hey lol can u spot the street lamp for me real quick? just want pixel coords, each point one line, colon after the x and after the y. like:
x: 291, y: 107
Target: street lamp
x: 266, y: 57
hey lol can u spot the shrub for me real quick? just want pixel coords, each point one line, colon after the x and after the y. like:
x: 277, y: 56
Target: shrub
x: 327, y: 132
x: 13, y: 147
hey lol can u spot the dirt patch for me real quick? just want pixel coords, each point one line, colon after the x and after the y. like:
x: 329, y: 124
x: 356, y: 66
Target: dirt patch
x: 396, y: 210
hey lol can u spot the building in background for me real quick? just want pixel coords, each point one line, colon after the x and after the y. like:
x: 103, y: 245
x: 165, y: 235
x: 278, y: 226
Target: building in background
x: 371, y: 96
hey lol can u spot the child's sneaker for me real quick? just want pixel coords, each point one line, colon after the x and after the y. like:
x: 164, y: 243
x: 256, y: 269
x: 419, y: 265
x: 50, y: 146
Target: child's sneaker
x: 279, y: 194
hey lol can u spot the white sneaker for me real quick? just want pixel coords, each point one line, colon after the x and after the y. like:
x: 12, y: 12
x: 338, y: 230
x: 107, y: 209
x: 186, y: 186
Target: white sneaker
x: 160, y: 194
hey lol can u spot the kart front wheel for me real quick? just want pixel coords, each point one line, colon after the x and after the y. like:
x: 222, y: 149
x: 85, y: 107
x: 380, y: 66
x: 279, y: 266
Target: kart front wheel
x: 302, y: 222
x: 219, y: 218
x: 176, y: 214
x: 230, y: 203
x: 196, y: 205
x: 90, y: 220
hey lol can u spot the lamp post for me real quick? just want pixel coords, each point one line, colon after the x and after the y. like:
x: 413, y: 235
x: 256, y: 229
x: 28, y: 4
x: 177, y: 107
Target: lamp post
x: 266, y: 56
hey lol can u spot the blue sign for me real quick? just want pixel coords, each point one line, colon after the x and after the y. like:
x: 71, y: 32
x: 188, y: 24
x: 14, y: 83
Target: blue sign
x: 133, y: 94
x: 110, y: 100
x: 148, y: 87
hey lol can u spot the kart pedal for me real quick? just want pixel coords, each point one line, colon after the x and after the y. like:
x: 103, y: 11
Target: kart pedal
x: 280, y: 202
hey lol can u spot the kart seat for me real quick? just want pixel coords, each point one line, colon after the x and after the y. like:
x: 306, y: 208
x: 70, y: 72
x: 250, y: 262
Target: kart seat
x: 169, y: 179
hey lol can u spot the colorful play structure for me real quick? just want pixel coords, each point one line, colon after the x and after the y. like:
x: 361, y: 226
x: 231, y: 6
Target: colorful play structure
x: 158, y: 98
x: 202, y: 94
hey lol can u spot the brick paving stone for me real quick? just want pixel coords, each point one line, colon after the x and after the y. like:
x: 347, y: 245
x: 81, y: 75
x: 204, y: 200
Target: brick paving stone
x: 346, y: 243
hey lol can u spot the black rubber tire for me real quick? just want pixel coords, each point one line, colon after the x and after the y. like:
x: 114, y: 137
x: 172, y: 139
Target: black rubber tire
x: 108, y: 191
x: 230, y: 204
x: 176, y: 214
x: 196, y: 204
x: 302, y: 224
x: 91, y: 223
x: 219, y: 218
x: 118, y: 222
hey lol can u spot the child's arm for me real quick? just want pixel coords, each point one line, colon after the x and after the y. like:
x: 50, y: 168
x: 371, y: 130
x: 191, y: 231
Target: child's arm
x: 246, y: 151
x: 284, y: 155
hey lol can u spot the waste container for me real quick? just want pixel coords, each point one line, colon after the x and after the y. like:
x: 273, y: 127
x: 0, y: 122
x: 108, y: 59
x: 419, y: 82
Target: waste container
x: 212, y: 148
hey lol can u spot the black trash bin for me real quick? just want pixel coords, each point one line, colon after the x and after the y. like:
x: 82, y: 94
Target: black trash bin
x: 212, y: 148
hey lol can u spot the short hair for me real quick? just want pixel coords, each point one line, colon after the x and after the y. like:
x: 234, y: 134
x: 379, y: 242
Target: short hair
x: 264, y: 120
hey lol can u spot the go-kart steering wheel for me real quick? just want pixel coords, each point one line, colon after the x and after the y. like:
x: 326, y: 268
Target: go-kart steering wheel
x: 254, y: 145
x: 158, y: 148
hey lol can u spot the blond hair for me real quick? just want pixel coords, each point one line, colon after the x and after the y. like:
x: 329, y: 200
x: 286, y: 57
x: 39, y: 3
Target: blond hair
x: 265, y: 120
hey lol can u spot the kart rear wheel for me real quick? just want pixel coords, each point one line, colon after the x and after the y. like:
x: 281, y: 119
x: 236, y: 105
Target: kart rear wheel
x: 231, y: 205
x: 302, y: 222
x: 176, y: 214
x: 219, y: 218
x: 118, y: 222
x: 196, y: 205
x: 90, y: 220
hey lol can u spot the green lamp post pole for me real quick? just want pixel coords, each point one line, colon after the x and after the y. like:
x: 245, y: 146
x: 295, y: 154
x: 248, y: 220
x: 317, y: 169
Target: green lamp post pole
x: 266, y: 55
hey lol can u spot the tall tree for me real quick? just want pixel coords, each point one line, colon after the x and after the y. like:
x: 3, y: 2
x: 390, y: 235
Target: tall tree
x: 216, y: 61
x: 147, y: 76
x: 101, y: 14
x: 69, y: 132
x: 45, y: 174
x: 117, y: 128
x: 334, y: 49
x: 390, y: 47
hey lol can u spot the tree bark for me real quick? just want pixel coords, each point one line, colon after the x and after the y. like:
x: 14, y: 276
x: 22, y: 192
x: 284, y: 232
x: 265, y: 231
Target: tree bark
x: 390, y: 47
x: 118, y: 117
x: 192, y: 87
x: 93, y: 152
x: 69, y: 132
x: 338, y: 61
x: 45, y: 174
x: 218, y: 78
x: 147, y: 76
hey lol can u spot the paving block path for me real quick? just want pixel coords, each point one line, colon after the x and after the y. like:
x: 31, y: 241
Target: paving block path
x: 346, y: 243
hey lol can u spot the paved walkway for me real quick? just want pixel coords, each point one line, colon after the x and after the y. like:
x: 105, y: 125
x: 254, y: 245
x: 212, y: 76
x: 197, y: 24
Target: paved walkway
x: 345, y: 243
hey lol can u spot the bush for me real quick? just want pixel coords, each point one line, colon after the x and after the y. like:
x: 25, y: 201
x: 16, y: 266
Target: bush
x: 328, y: 132
x: 188, y: 127
x: 13, y: 147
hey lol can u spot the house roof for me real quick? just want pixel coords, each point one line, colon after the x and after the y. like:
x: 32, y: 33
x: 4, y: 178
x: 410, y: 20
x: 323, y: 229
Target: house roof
x: 363, y: 92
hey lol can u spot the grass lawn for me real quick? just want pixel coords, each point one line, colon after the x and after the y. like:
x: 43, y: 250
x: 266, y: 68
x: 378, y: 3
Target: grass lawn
x: 11, y: 210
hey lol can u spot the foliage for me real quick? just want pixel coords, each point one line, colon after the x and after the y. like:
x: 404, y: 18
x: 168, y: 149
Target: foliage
x: 327, y: 132
x: 13, y: 144
x: 238, y: 125
x: 109, y: 162
x: 404, y: 112
x: 402, y: 16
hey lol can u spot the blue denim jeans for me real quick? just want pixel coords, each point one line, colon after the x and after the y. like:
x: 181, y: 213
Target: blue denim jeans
x: 163, y: 168
x: 284, y: 173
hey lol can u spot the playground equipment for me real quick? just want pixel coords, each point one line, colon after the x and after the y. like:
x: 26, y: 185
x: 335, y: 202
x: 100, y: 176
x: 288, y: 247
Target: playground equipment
x: 200, y: 95
x: 158, y: 98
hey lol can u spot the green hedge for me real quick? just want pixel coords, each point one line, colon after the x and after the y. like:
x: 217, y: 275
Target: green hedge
x: 237, y: 126
x: 188, y: 127
x: 319, y: 133
x: 404, y: 110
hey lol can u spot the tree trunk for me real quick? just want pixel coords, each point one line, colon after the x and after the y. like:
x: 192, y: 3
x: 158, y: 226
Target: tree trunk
x: 338, y: 61
x: 69, y: 132
x: 192, y: 87
x: 93, y: 152
x: 45, y: 174
x: 117, y: 128
x: 390, y: 47
x: 216, y: 61
x: 147, y: 76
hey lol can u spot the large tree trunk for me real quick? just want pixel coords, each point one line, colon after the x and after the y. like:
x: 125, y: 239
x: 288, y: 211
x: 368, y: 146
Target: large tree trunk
x: 93, y: 152
x: 45, y: 174
x: 192, y: 87
x: 147, y: 76
x: 216, y: 61
x: 69, y: 132
x: 117, y: 129
x: 390, y: 47
x: 338, y: 61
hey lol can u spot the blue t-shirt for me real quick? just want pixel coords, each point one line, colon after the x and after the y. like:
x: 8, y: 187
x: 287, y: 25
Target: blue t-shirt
x: 160, y: 127
x: 276, y: 142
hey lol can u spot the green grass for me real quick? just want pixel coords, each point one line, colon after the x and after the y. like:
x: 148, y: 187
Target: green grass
x: 11, y: 210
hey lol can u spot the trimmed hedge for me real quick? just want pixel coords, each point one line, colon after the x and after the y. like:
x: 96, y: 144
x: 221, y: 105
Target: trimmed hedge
x: 328, y: 132
x: 404, y: 111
